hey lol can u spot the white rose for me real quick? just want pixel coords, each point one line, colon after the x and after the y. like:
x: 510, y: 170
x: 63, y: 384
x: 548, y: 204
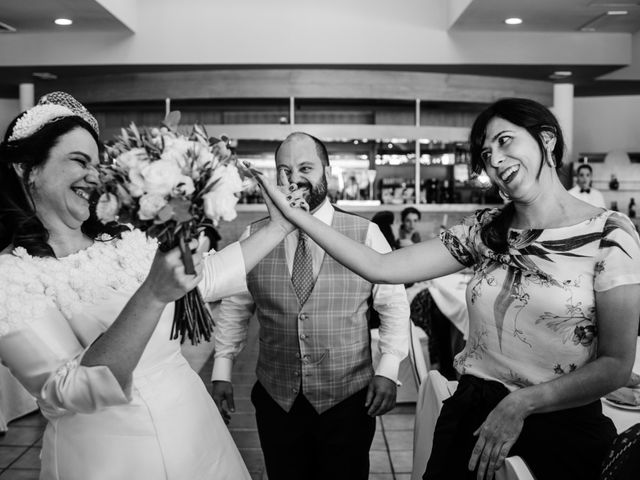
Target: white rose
x: 185, y: 186
x: 136, y: 157
x: 150, y: 205
x: 107, y: 207
x: 158, y: 177
x: 229, y: 178
x: 220, y: 204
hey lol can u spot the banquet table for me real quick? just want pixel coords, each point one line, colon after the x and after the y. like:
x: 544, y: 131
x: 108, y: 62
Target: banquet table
x: 624, y: 416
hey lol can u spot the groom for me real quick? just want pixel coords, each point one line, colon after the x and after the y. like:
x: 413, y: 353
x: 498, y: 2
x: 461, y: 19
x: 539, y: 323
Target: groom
x: 317, y: 395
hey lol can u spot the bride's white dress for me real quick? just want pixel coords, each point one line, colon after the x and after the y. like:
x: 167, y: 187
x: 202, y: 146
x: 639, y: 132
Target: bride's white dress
x: 165, y: 426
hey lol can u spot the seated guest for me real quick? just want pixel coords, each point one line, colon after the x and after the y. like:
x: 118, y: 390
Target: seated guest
x: 553, y: 306
x: 408, y: 235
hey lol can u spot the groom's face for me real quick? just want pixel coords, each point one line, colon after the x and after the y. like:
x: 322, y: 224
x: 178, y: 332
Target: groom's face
x: 298, y: 158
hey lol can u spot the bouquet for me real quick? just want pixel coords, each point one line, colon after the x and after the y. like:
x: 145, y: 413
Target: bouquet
x: 172, y: 186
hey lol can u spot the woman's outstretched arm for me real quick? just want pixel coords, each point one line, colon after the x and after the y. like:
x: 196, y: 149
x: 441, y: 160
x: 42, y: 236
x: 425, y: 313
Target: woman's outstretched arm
x: 422, y: 261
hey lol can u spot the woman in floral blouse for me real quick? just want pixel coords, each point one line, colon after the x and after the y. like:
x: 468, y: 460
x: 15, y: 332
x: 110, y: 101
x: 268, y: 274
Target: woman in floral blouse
x: 553, y: 306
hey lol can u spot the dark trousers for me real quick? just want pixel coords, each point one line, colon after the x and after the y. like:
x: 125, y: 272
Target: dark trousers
x: 304, y: 445
x: 564, y: 445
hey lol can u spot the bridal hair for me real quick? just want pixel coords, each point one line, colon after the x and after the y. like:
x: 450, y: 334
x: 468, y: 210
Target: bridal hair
x: 27, y: 144
x: 540, y: 123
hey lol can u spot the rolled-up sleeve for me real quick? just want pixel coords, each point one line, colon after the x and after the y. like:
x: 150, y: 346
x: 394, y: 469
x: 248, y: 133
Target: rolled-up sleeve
x: 390, y: 301
x: 44, y: 355
x: 223, y: 273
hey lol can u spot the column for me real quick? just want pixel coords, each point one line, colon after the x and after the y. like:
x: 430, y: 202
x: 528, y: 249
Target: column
x: 417, y: 150
x: 563, y: 110
x: 26, y: 96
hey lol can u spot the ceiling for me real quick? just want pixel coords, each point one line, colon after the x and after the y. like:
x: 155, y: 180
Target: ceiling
x: 29, y: 16
x: 564, y: 16
x: 551, y: 16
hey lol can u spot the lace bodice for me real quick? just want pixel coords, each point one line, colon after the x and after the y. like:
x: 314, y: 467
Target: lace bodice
x: 30, y: 284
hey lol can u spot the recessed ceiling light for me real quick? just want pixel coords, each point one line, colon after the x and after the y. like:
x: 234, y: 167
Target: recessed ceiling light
x: 513, y: 21
x: 563, y: 73
x: 617, y: 12
x: 45, y: 75
x: 63, y: 21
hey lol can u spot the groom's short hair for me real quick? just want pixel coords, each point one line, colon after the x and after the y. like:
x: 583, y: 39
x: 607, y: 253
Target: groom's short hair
x: 321, y: 150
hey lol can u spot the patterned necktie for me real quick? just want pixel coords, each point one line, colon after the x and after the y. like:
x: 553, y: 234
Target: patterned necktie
x: 302, y: 274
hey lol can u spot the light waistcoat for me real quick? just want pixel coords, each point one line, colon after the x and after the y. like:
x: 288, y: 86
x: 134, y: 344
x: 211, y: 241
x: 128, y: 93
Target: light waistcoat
x: 321, y: 348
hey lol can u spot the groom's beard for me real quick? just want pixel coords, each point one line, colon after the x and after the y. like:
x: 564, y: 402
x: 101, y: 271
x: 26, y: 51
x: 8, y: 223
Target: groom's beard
x: 315, y: 193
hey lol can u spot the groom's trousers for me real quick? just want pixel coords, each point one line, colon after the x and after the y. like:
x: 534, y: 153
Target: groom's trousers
x: 304, y: 445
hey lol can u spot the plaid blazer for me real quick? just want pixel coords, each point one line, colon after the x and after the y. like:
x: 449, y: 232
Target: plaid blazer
x: 321, y: 349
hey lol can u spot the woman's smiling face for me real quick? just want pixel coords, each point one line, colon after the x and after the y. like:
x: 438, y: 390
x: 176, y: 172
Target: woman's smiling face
x: 62, y: 186
x: 512, y: 158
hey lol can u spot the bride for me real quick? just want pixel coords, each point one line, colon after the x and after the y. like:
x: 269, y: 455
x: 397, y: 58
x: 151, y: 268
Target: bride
x: 86, y: 313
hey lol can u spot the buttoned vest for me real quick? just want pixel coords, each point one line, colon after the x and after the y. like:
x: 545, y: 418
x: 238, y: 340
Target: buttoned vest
x: 321, y: 349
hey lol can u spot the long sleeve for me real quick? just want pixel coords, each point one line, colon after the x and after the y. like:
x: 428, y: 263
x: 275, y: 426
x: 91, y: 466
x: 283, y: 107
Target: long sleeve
x: 232, y: 325
x: 390, y: 301
x: 224, y: 273
x: 44, y: 355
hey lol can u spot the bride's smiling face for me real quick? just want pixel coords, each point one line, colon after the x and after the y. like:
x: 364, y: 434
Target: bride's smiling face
x: 62, y: 186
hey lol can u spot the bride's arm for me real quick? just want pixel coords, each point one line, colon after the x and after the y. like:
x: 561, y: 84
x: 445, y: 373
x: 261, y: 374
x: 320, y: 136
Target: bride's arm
x: 225, y: 271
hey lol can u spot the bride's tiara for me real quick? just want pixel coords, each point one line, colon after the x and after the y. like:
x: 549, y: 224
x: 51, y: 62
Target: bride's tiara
x: 50, y: 107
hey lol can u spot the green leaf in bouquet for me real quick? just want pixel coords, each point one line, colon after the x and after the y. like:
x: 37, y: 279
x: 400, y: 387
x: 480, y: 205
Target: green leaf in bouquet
x: 165, y: 214
x: 135, y: 132
x: 172, y: 120
x: 206, y: 189
x: 181, y: 210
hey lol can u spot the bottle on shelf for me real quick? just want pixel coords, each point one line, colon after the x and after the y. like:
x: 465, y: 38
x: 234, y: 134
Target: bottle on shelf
x: 632, y: 208
x: 613, y: 183
x: 614, y: 205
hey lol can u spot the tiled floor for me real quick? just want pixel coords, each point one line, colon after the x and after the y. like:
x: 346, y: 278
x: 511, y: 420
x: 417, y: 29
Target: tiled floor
x: 391, y: 452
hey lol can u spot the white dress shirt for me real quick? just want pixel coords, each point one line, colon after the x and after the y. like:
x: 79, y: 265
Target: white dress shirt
x: 390, y: 301
x: 594, y: 197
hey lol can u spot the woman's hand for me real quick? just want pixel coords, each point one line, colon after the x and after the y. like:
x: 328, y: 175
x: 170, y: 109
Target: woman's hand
x: 286, y: 197
x: 496, y: 436
x: 167, y: 280
x: 295, y: 197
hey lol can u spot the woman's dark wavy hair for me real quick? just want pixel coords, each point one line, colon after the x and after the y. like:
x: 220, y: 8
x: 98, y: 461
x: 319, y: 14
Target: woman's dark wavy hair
x: 19, y: 224
x: 535, y: 119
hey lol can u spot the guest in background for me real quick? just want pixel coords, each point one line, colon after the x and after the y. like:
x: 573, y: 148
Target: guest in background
x: 408, y: 234
x: 384, y: 220
x: 317, y: 394
x: 583, y: 189
x: 351, y: 189
x: 553, y: 306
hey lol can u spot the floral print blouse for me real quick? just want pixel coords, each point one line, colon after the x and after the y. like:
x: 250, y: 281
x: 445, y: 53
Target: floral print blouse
x: 532, y: 312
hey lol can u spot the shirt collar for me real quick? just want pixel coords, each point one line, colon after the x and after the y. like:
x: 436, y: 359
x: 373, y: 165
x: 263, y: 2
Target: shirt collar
x: 325, y: 212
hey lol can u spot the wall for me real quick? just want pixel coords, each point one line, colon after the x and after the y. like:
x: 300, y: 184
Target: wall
x: 9, y: 108
x: 610, y: 125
